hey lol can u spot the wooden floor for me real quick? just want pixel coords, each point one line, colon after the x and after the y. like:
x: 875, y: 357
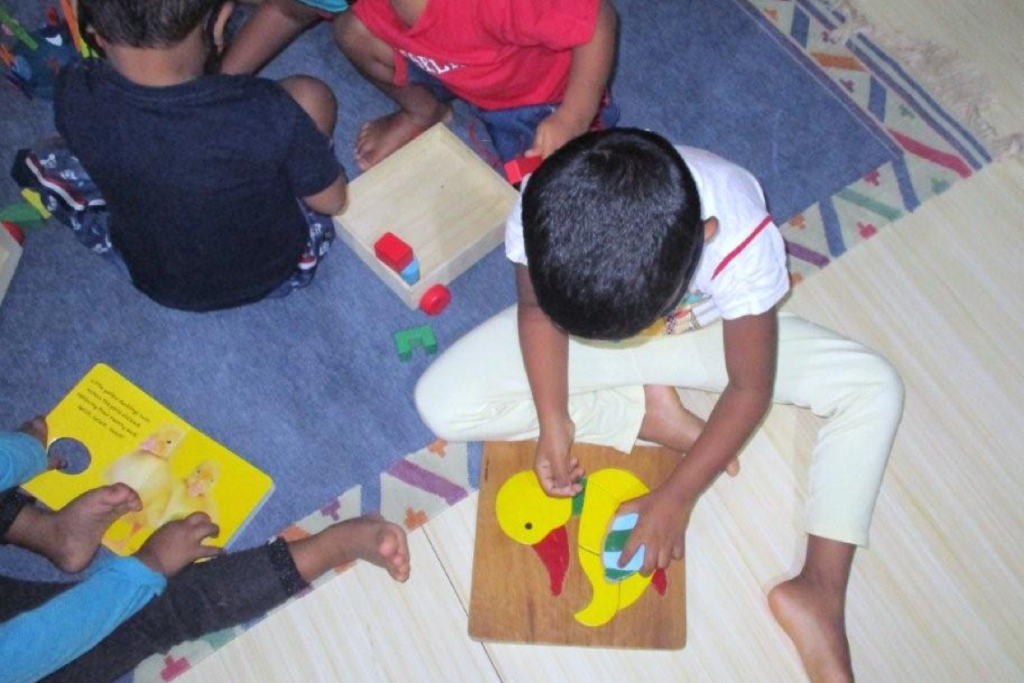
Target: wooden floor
x: 940, y: 594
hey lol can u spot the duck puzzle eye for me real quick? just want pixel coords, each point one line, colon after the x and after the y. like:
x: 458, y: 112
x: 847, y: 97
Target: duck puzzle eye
x: 529, y: 525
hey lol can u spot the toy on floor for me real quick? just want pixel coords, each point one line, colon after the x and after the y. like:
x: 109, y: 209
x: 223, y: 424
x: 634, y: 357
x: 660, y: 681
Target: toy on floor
x: 529, y: 516
x: 577, y: 594
x: 393, y: 252
x: 38, y: 56
x: 413, y: 337
x: 443, y: 208
x: 14, y: 231
x: 435, y: 300
x: 520, y: 167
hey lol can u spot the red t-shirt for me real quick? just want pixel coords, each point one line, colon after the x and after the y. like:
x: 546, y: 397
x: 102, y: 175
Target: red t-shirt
x: 495, y: 54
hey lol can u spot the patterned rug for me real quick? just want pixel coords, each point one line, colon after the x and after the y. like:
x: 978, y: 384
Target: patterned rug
x: 929, y: 151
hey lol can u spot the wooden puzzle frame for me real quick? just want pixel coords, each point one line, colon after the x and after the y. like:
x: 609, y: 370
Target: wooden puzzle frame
x: 511, y: 597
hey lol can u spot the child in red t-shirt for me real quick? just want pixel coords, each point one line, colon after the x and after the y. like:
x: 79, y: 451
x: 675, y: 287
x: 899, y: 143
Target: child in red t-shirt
x: 535, y: 71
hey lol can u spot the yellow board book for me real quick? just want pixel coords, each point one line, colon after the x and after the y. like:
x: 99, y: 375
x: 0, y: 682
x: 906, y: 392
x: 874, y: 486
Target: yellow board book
x: 133, y: 439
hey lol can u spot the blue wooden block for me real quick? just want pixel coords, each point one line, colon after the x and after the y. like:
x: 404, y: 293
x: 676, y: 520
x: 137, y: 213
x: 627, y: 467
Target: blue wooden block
x: 614, y: 542
x: 411, y: 273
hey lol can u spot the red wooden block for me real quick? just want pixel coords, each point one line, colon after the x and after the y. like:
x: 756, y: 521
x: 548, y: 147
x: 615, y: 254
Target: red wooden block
x: 395, y: 253
x: 519, y: 168
x: 435, y: 300
x: 15, y: 231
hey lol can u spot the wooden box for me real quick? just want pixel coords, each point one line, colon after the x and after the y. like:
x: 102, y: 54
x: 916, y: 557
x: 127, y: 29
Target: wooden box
x: 436, y: 195
x: 10, y: 253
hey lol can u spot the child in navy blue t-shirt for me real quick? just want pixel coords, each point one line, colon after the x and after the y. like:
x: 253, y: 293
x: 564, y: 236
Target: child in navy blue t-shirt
x: 201, y: 175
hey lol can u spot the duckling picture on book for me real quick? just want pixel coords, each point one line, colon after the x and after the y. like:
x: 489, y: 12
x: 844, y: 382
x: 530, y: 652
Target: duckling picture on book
x: 132, y: 439
x: 546, y: 569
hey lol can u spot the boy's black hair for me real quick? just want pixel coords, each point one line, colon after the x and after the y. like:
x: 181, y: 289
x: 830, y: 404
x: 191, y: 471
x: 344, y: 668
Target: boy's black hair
x: 146, y: 23
x: 613, y: 232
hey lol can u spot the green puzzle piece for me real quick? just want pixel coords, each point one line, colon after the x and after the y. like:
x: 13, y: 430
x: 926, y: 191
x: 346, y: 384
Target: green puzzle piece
x: 407, y: 340
x: 20, y: 213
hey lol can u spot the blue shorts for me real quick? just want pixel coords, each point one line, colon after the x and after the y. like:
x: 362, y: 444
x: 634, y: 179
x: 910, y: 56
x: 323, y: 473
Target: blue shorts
x: 73, y: 198
x: 512, y: 130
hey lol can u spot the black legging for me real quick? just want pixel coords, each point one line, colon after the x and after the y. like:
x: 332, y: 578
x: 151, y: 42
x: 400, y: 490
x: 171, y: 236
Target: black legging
x: 204, y: 598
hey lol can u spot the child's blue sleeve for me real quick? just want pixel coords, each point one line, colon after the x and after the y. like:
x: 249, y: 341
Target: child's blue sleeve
x: 331, y: 6
x: 21, y: 458
x: 37, y: 643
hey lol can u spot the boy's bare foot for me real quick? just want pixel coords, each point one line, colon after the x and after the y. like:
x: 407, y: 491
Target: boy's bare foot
x: 370, y: 538
x: 70, y: 537
x: 377, y: 139
x: 814, y: 619
x: 667, y: 423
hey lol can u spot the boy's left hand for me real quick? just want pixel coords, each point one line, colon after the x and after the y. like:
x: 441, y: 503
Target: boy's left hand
x: 553, y: 132
x: 661, y: 529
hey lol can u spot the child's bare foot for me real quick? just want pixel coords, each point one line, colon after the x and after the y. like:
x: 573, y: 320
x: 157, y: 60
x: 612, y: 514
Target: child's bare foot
x: 377, y: 139
x: 668, y: 423
x: 814, y: 619
x: 70, y: 537
x: 370, y: 538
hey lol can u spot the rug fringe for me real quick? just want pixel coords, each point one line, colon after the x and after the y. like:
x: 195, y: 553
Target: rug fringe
x: 952, y: 80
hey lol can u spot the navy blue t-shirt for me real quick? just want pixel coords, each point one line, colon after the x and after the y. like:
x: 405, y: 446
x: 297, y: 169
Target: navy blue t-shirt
x: 200, y: 179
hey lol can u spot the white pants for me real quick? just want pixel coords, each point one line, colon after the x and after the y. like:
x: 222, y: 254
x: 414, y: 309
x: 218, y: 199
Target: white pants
x: 478, y: 390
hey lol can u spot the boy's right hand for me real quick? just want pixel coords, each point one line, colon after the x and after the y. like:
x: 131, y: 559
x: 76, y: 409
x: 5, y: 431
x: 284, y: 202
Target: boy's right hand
x: 178, y: 544
x: 558, y: 473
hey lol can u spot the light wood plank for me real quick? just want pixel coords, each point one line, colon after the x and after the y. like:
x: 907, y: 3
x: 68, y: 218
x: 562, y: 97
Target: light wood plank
x: 360, y: 626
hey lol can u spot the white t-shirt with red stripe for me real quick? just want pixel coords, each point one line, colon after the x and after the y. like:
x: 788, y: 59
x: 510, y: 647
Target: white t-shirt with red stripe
x: 742, y: 270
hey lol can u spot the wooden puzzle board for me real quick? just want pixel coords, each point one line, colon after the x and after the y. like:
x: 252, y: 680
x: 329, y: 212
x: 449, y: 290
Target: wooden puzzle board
x: 436, y: 195
x: 511, y: 596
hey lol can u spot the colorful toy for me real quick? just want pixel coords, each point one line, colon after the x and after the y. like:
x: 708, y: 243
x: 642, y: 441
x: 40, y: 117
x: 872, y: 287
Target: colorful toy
x: 15, y: 231
x: 393, y: 252
x: 16, y: 29
x: 407, y: 340
x: 520, y: 167
x: 36, y: 202
x: 435, y: 300
x: 20, y: 213
x: 614, y: 542
x: 37, y: 57
x: 411, y: 273
x: 529, y: 516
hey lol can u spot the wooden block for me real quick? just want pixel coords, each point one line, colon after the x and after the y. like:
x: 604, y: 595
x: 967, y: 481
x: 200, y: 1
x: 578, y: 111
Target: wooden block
x: 10, y: 253
x: 517, y: 169
x: 437, y: 196
x: 511, y: 598
x: 393, y: 251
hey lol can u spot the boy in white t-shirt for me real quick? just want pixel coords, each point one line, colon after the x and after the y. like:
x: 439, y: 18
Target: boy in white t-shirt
x: 624, y: 238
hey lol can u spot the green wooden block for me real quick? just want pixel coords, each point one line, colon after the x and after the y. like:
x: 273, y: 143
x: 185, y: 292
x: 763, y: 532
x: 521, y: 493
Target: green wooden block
x: 409, y: 339
x: 20, y: 213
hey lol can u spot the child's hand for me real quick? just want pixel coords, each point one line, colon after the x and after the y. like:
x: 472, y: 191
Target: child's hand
x: 178, y: 544
x: 661, y: 529
x: 553, y: 132
x: 559, y: 474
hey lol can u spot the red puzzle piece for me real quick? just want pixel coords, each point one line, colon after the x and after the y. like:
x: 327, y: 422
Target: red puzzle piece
x: 660, y: 581
x: 15, y: 231
x: 174, y: 668
x: 519, y: 168
x: 553, y: 551
x: 435, y: 300
x: 395, y: 253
